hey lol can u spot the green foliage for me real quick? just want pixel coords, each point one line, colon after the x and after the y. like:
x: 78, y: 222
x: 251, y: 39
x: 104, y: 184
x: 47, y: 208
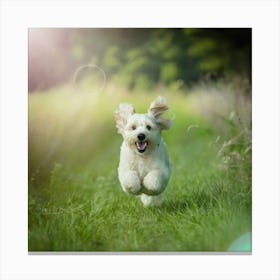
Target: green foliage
x: 75, y: 202
x: 143, y: 82
x: 236, y: 151
x: 159, y: 54
x: 225, y: 50
x: 112, y: 59
x: 169, y: 72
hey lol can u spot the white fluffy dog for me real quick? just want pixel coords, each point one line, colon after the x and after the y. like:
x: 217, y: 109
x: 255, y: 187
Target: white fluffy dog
x: 144, y: 167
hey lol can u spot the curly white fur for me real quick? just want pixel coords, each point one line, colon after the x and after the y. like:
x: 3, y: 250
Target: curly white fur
x: 144, y: 167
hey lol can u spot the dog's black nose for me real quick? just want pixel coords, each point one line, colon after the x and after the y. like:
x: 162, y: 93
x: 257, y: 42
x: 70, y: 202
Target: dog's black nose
x: 141, y: 136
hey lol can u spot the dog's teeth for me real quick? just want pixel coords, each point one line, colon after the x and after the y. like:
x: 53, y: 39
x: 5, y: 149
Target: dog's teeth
x: 141, y: 145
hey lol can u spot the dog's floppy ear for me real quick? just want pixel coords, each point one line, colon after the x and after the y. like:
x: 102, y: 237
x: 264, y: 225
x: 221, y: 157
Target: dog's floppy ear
x: 124, y: 111
x: 157, y: 108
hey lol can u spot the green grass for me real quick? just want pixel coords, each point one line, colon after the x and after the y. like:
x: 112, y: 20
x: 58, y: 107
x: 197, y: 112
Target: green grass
x: 75, y: 200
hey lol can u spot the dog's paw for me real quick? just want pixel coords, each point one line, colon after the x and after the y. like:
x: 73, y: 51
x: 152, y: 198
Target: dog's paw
x: 154, y: 183
x: 131, y: 183
x: 148, y: 200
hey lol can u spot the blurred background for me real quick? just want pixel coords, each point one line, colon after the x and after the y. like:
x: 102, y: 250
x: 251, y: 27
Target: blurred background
x: 138, y: 58
x: 76, y: 79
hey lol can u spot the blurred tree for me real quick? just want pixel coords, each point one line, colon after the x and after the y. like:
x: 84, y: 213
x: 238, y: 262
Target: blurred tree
x: 222, y: 50
x: 138, y: 57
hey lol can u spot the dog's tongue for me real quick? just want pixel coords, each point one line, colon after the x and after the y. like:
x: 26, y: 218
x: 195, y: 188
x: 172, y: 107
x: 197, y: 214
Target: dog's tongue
x: 141, y: 145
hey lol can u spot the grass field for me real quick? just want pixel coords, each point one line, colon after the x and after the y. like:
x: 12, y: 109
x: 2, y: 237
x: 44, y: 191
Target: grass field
x: 75, y: 200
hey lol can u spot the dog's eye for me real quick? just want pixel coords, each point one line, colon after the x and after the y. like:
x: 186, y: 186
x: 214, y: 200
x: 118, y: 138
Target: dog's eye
x: 133, y: 127
x: 148, y: 127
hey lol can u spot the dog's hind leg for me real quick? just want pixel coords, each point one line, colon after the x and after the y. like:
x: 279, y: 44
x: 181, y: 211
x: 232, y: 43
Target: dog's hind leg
x: 149, y: 200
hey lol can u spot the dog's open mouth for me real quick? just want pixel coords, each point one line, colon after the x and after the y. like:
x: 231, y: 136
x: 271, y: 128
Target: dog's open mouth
x: 141, y: 146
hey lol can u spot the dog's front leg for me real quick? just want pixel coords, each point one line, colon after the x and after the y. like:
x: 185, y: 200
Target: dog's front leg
x: 130, y: 181
x: 155, y: 182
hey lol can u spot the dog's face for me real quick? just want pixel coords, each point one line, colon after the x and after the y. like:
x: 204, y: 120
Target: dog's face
x: 142, y: 132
